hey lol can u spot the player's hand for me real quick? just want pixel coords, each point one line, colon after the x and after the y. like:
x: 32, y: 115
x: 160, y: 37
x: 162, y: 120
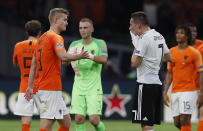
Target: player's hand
x: 200, y: 100
x: 166, y: 99
x: 83, y: 54
x: 91, y: 57
x: 28, y: 94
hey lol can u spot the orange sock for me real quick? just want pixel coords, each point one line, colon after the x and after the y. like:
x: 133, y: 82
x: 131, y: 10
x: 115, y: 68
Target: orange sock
x: 190, y: 125
x: 25, y: 127
x: 63, y: 128
x: 185, y: 128
x: 43, y: 130
x: 200, y: 126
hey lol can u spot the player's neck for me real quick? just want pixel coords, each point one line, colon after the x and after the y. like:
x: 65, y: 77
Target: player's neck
x: 145, y: 29
x: 32, y: 38
x: 182, y: 46
x: 87, y: 41
x: 193, y: 42
x: 53, y: 28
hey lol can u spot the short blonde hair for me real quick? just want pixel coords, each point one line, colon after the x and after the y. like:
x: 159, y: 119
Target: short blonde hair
x: 87, y: 20
x: 53, y: 12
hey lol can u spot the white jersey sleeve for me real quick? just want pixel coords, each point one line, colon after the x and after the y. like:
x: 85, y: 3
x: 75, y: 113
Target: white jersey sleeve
x: 165, y: 49
x: 134, y: 39
x: 142, y: 47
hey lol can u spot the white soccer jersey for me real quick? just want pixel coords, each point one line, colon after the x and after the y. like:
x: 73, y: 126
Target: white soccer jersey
x: 151, y: 47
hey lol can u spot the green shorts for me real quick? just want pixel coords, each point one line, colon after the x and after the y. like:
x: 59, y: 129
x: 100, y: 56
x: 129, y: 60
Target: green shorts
x: 86, y: 104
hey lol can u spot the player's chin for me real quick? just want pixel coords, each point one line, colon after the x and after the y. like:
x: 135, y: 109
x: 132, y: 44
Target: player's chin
x: 64, y: 29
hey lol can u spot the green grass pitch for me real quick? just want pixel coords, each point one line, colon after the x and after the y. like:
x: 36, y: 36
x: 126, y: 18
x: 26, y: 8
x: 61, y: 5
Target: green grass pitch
x: 116, y: 125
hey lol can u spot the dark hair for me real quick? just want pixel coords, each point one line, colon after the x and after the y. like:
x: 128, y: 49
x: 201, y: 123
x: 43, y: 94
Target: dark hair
x: 187, y: 32
x: 190, y: 25
x: 33, y: 27
x: 141, y: 17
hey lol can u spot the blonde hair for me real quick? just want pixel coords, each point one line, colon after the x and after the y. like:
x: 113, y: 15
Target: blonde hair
x: 87, y: 20
x: 53, y: 12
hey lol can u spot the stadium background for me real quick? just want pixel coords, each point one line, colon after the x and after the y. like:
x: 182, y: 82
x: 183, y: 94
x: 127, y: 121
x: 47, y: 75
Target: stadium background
x: 111, y: 21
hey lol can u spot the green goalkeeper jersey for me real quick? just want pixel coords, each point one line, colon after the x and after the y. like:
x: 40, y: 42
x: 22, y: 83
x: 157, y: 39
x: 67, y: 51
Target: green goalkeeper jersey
x: 89, y: 81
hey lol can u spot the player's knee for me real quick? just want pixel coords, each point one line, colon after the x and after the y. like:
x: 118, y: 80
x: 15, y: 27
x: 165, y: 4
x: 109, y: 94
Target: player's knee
x: 94, y: 120
x: 79, y: 119
x: 177, y: 124
x: 26, y: 119
x: 184, y: 120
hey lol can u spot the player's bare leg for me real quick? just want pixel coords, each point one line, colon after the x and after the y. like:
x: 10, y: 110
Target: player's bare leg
x: 64, y: 123
x: 26, y: 121
x: 46, y: 124
x: 185, y: 122
x: 80, y: 120
x: 96, y: 122
x: 147, y: 128
x: 176, y: 121
x: 200, y: 123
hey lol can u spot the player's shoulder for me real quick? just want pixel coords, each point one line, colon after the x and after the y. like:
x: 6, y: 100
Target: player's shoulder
x: 21, y: 44
x: 199, y: 41
x: 76, y: 42
x: 53, y: 35
x: 175, y: 48
x: 99, y: 41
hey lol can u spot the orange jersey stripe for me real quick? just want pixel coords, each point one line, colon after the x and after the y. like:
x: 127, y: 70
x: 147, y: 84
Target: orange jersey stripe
x: 185, y: 64
x: 48, y: 63
x: 22, y: 56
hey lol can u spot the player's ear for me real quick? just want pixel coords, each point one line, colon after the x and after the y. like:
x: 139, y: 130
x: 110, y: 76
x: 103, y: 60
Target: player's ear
x: 38, y: 35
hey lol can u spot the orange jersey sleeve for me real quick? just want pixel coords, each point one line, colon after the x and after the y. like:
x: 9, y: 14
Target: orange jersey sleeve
x: 23, y: 53
x: 48, y: 63
x: 185, y: 64
x: 199, y: 47
x: 15, y: 60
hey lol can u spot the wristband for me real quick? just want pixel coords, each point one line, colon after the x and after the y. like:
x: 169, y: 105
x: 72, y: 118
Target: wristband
x: 91, y: 56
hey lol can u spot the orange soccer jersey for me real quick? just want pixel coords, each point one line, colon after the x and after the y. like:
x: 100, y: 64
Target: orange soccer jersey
x: 199, y: 46
x: 185, y: 64
x: 48, y: 63
x: 22, y: 56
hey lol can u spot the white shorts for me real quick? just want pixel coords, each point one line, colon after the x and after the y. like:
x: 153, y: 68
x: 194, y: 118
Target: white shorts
x: 24, y: 107
x: 183, y: 103
x: 52, y: 105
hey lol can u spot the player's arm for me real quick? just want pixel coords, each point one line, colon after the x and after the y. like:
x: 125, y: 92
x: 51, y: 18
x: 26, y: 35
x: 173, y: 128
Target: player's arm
x: 200, y: 97
x: 103, y: 53
x: 32, y: 74
x: 167, y: 86
x: 65, y: 56
x: 167, y: 57
x: 102, y: 59
x: 135, y: 60
x: 15, y: 58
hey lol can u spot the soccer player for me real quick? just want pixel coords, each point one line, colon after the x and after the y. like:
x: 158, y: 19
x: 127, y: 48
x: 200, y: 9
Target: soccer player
x: 47, y: 60
x: 87, y: 88
x: 198, y: 44
x: 22, y: 58
x: 186, y: 61
x: 150, y: 48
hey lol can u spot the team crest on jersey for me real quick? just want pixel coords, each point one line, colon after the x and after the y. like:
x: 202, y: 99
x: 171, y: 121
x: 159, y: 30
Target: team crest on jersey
x: 92, y: 52
x: 59, y: 45
x: 185, y: 57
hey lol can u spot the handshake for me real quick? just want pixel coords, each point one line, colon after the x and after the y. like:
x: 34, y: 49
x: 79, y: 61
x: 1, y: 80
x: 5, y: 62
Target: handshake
x: 78, y: 50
